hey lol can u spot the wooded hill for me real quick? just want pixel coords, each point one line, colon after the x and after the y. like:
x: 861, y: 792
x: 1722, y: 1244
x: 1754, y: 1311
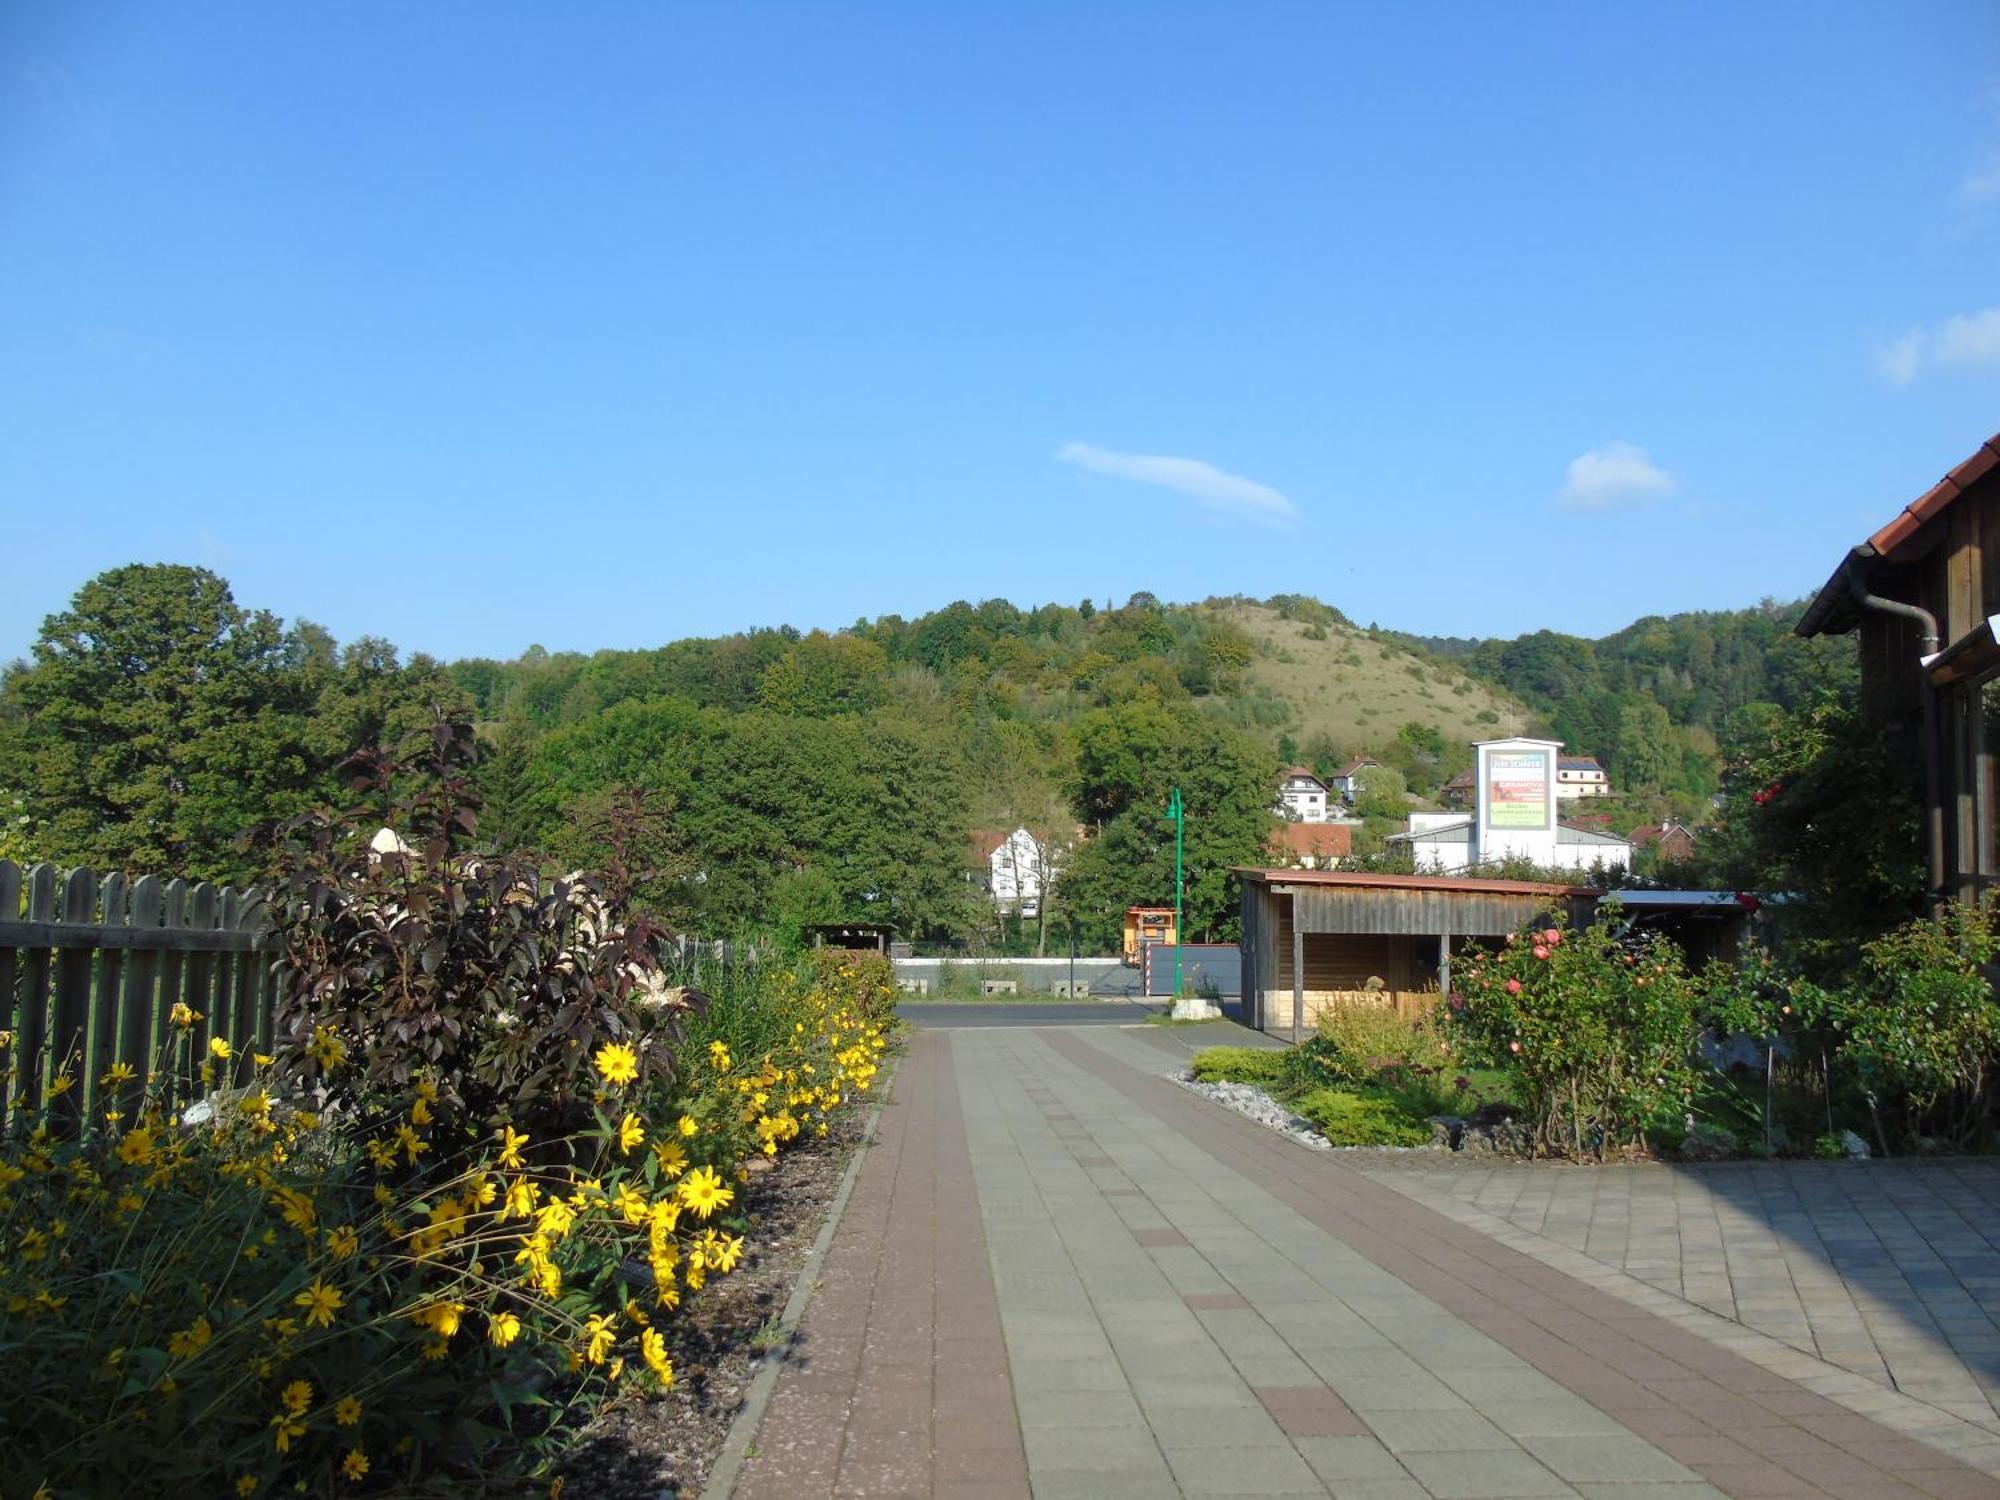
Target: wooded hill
x: 788, y: 777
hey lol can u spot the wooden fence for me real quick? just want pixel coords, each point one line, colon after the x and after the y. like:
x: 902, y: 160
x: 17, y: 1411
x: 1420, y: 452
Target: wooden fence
x: 90, y: 968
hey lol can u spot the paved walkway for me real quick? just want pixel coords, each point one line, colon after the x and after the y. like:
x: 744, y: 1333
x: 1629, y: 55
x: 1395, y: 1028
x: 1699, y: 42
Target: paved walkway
x: 1061, y: 1274
x: 1890, y: 1270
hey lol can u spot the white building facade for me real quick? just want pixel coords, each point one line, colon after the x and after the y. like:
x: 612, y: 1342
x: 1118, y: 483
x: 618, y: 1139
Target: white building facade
x: 1581, y: 776
x: 1302, y: 797
x: 1019, y: 871
x: 1514, y: 817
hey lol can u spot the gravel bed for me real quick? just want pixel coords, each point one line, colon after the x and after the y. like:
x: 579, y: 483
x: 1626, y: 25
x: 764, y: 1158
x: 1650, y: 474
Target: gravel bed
x: 1253, y: 1103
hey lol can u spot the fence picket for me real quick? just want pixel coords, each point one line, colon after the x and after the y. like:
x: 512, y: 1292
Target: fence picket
x: 172, y: 970
x: 33, y: 1039
x: 10, y: 1019
x: 135, y: 1013
x: 223, y: 1021
x: 101, y: 1035
x: 200, y: 977
x: 72, y: 1007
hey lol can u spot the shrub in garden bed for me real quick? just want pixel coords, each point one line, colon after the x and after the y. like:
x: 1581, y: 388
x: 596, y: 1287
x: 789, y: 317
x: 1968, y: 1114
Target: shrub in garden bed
x: 1597, y: 1029
x: 1351, y: 1119
x: 1263, y: 1066
x: 455, y: 1213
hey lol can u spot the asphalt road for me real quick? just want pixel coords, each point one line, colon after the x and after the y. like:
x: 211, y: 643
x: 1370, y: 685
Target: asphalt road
x: 937, y: 1014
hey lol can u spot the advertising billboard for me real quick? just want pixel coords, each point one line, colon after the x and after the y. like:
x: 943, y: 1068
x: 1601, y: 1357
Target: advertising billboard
x: 1517, y: 788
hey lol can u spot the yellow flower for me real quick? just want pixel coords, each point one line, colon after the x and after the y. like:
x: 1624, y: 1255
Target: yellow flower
x: 297, y: 1397
x: 190, y: 1340
x: 673, y: 1160
x: 702, y: 1191
x: 687, y: 1125
x: 726, y: 1252
x: 289, y: 1427
x: 502, y: 1329
x: 347, y: 1410
x: 411, y: 1142
x: 61, y: 1085
x: 136, y: 1150
x: 328, y: 1050
x: 632, y: 1204
x: 601, y: 1335
x: 321, y: 1302
x: 182, y: 1017
x: 116, y: 1074
x: 630, y: 1133
x: 420, y: 1112
x: 521, y: 1196
x: 511, y: 1142
x: 342, y: 1242
x: 246, y: 1484
x: 653, y: 1349
x: 218, y: 1049
x: 617, y: 1063
x: 354, y: 1467
x: 442, y: 1318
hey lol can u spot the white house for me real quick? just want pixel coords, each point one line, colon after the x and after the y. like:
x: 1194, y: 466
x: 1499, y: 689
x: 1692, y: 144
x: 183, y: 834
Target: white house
x: 1342, y: 781
x: 1514, y: 816
x: 1581, y: 776
x: 1019, y: 867
x: 1302, y: 796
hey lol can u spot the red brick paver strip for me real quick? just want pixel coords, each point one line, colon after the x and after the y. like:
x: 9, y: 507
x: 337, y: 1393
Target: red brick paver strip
x: 1745, y: 1430
x: 897, y: 1383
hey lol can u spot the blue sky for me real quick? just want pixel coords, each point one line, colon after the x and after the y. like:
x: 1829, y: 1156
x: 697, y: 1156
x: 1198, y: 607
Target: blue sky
x: 476, y: 326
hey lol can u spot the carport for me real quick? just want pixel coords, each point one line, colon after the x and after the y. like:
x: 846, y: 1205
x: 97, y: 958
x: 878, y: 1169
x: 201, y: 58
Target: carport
x: 1314, y: 938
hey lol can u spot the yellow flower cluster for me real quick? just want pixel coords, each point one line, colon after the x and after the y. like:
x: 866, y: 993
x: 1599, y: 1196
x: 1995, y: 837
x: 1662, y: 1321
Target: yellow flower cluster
x: 262, y: 1283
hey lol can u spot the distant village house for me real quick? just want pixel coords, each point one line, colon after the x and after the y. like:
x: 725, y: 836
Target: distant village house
x: 1581, y: 776
x: 1311, y: 846
x: 1302, y: 796
x: 1344, y: 780
x: 1673, y: 841
x: 1018, y: 868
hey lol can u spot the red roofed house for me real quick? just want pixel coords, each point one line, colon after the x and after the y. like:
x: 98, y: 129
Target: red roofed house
x: 1302, y: 796
x: 1311, y: 846
x: 1674, y: 841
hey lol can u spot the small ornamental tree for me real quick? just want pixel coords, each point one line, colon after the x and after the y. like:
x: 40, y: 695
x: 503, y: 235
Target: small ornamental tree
x: 1598, y: 1029
x: 408, y: 960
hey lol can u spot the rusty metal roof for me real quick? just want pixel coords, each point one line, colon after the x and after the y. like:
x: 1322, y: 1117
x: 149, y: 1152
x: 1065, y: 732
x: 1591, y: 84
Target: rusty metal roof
x: 1367, y: 880
x: 1833, y: 611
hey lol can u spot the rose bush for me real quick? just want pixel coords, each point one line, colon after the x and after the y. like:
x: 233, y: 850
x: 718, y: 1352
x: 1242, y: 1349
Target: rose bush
x: 1598, y: 1029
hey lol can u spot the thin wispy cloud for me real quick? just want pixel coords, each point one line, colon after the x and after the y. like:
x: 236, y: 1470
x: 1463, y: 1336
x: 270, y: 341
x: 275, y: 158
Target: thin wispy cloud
x: 1613, y: 476
x: 1216, y: 488
x: 1973, y: 340
x: 1983, y: 185
x: 1965, y: 340
x: 1898, y: 360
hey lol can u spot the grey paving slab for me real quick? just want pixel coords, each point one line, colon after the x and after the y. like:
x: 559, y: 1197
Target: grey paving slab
x: 1888, y: 1269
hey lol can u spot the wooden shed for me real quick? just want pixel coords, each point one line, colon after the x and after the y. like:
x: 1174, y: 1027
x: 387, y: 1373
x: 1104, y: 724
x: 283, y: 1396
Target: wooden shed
x: 1314, y: 938
x: 1923, y: 594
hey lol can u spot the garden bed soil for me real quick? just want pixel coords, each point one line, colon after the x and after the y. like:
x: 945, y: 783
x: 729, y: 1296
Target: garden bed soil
x: 644, y: 1448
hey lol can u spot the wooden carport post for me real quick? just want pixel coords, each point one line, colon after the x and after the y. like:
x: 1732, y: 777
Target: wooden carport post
x: 1298, y: 971
x: 1444, y: 966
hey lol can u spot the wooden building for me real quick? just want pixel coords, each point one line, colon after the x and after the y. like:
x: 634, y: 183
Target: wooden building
x: 1314, y: 938
x: 1926, y: 606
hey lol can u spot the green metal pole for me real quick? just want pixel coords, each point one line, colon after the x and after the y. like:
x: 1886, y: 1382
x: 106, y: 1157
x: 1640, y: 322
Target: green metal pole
x: 1179, y: 814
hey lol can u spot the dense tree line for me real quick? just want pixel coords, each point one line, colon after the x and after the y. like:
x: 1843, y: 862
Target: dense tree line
x: 779, y: 776
x: 159, y: 719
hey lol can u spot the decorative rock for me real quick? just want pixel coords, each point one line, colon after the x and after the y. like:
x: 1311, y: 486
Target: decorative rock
x: 1253, y: 1103
x: 1857, y: 1149
x: 1194, y: 1008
